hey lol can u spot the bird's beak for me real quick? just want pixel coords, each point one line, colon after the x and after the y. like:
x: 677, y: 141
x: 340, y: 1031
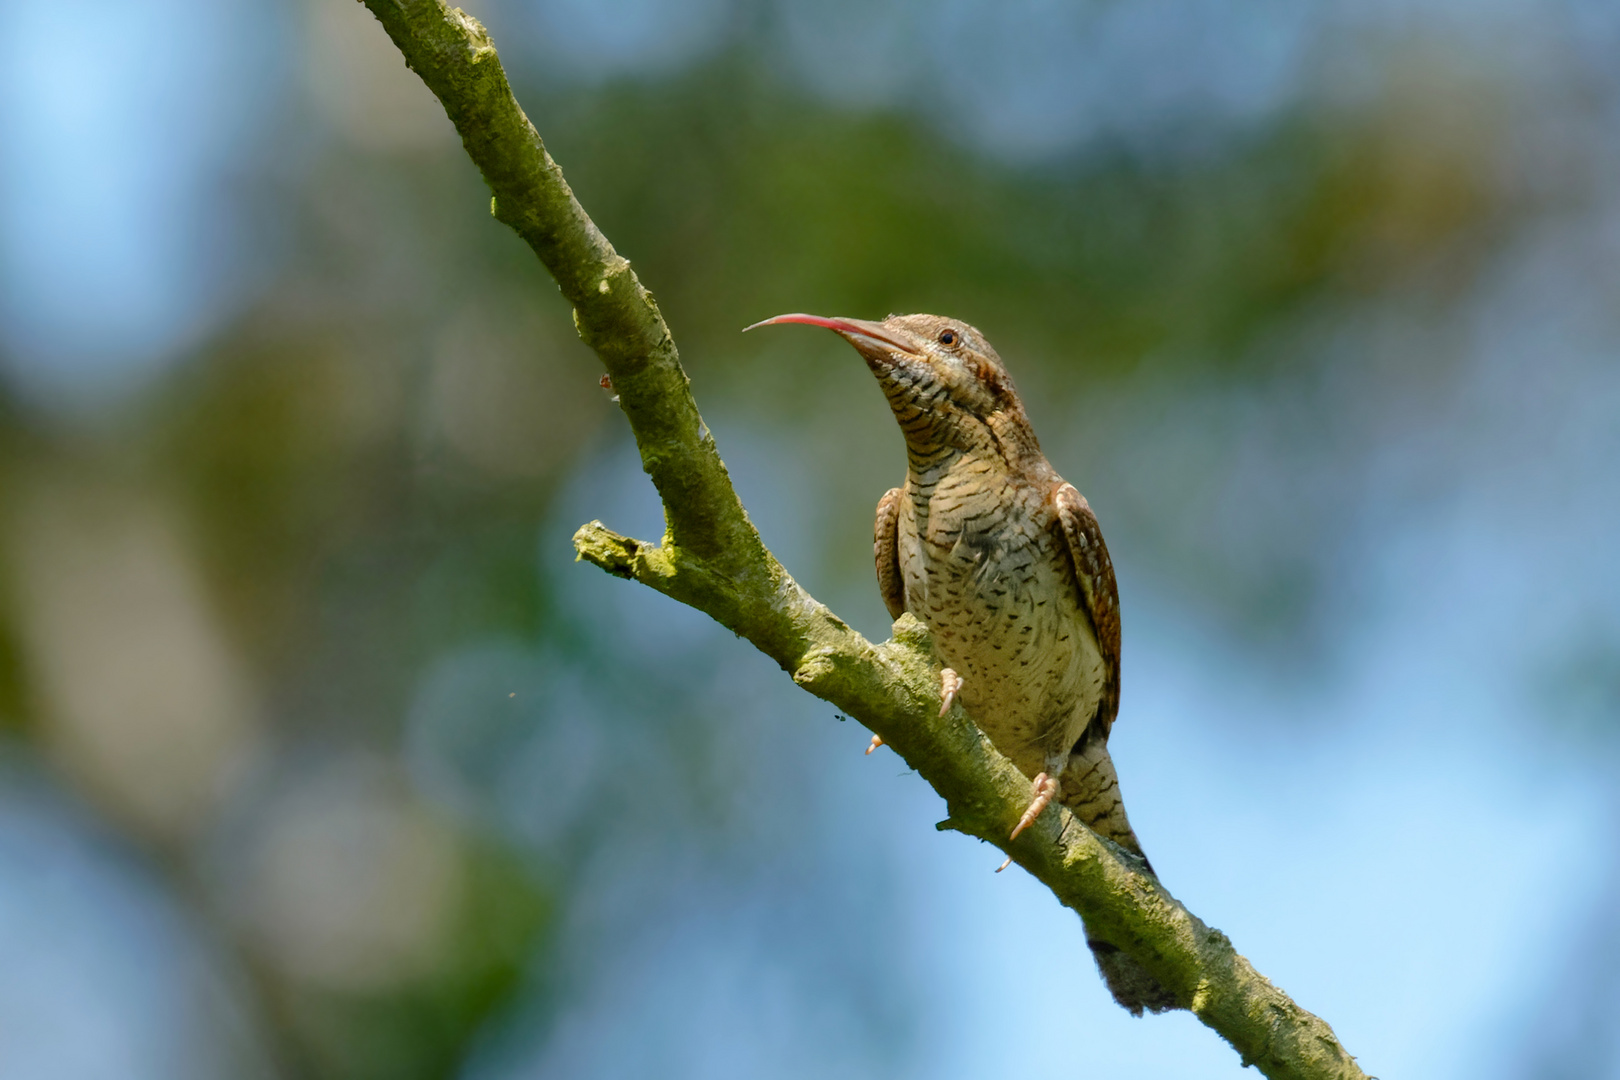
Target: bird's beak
x: 856, y: 331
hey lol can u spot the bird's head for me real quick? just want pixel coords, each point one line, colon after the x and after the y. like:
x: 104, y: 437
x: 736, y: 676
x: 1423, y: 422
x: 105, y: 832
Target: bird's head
x: 943, y: 380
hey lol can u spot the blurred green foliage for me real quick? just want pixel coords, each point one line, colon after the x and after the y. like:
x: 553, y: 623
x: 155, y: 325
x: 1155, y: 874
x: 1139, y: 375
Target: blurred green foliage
x: 361, y: 460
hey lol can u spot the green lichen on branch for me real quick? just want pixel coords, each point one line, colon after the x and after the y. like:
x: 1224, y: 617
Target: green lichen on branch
x: 712, y: 559
x: 616, y: 316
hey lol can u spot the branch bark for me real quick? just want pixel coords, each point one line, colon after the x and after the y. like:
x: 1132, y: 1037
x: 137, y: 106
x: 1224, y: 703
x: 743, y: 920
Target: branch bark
x: 711, y: 558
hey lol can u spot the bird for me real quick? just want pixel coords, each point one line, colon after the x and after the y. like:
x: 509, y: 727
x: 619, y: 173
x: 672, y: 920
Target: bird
x: 1005, y: 564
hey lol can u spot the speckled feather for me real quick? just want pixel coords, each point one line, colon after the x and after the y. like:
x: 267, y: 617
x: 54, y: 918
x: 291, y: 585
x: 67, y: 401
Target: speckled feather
x: 1094, y: 574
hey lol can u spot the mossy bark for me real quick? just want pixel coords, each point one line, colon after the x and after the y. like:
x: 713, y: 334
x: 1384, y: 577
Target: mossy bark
x: 712, y: 559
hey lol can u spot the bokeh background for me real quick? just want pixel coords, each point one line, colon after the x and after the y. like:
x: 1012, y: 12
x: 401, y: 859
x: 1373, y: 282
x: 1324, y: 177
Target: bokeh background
x: 320, y: 757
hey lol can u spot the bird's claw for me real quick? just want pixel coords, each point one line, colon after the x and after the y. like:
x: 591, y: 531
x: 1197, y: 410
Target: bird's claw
x: 949, y: 683
x: 1045, y: 790
x: 877, y: 741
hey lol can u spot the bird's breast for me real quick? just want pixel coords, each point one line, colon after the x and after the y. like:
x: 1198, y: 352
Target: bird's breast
x: 989, y: 576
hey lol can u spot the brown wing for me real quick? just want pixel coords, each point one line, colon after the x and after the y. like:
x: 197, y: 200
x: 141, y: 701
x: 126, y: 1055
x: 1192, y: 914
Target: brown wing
x: 1095, y: 573
x: 886, y: 552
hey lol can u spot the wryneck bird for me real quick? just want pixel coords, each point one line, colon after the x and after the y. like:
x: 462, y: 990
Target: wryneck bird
x: 1004, y: 563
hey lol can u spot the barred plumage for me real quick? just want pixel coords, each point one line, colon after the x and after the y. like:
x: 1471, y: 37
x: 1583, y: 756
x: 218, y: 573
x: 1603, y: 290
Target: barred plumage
x: 1006, y: 565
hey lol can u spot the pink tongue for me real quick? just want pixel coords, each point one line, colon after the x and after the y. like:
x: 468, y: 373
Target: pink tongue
x: 870, y: 330
x: 809, y: 320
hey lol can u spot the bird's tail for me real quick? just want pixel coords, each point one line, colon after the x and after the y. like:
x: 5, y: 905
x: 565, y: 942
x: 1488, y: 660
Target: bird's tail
x: 1090, y: 788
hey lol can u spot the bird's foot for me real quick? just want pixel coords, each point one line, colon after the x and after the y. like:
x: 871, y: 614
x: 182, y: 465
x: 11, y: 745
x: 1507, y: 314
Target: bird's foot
x: 949, y: 683
x: 877, y: 741
x: 1044, y: 789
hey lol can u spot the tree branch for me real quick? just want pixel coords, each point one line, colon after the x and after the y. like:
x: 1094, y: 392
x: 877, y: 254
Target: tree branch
x: 712, y: 559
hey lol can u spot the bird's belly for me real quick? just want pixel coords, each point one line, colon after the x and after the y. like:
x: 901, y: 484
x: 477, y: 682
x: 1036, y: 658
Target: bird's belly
x: 1004, y: 613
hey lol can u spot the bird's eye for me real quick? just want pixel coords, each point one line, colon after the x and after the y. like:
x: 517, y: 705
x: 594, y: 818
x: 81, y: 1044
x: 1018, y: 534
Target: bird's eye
x: 947, y: 337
